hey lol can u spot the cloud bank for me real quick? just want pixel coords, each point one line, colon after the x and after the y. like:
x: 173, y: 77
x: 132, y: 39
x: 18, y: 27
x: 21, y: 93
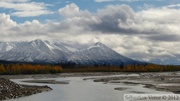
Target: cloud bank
x: 149, y: 35
x: 100, y: 1
x: 25, y: 8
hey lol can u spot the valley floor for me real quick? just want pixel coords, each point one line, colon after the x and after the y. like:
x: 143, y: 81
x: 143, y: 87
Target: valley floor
x: 161, y: 81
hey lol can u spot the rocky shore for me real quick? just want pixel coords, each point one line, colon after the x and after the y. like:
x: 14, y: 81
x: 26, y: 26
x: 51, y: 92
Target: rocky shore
x: 161, y: 81
x: 9, y: 89
x: 169, y: 82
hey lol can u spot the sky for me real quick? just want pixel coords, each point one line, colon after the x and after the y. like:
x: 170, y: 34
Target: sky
x: 146, y: 30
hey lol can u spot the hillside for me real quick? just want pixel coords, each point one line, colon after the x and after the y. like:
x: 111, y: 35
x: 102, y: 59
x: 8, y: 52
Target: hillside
x: 42, y: 51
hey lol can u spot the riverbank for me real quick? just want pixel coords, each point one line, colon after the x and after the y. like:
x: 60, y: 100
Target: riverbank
x: 10, y: 90
x: 167, y: 81
x: 40, y: 76
x: 160, y: 81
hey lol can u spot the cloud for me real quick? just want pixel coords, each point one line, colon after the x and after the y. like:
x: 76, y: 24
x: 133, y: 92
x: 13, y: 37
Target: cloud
x: 166, y: 38
x: 149, y: 35
x: 69, y: 10
x: 6, y: 21
x: 31, y: 13
x: 25, y: 8
x: 111, y: 17
x: 14, y: 0
x: 100, y: 1
x: 103, y: 0
x: 173, y: 6
x: 76, y: 20
x: 121, y: 19
x: 5, y: 24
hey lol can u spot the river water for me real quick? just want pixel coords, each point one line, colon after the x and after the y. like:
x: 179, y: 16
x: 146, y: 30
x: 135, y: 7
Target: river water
x: 83, y: 90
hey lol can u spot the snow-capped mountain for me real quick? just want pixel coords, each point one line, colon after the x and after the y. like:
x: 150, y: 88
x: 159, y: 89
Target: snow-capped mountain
x: 46, y: 52
x: 34, y: 51
x: 99, y: 54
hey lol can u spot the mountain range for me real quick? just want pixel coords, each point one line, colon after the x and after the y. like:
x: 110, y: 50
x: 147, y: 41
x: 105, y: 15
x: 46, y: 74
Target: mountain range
x: 40, y: 51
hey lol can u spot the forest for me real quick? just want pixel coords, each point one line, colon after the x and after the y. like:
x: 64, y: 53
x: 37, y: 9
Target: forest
x: 26, y: 68
x: 127, y: 68
x: 10, y: 69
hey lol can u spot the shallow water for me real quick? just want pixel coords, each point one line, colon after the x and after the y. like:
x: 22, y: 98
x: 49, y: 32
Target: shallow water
x: 83, y: 90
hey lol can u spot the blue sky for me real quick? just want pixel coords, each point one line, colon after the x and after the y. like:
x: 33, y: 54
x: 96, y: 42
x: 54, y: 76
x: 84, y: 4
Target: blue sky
x: 90, y: 5
x: 146, y: 30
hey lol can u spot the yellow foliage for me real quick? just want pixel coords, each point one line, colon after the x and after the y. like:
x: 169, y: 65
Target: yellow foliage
x: 29, y: 69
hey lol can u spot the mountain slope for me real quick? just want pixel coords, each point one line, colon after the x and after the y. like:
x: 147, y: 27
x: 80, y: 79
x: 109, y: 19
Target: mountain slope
x: 99, y: 54
x: 39, y: 51
x: 34, y: 51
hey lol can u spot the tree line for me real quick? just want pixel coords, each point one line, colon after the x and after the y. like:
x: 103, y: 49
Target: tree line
x: 123, y: 68
x: 29, y: 69
x: 151, y: 68
x: 24, y: 68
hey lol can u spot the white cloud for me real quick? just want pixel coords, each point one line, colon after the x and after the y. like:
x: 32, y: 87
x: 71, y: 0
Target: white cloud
x: 173, y: 6
x: 5, y: 24
x: 6, y: 21
x: 25, y: 8
x: 151, y: 34
x: 31, y: 13
x: 14, y: 0
x: 99, y: 1
x: 103, y: 0
x: 69, y: 10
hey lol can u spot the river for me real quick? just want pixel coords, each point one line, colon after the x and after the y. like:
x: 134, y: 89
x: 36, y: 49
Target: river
x: 83, y: 90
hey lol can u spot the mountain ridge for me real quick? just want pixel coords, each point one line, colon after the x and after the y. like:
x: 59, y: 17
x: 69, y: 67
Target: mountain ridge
x: 44, y: 51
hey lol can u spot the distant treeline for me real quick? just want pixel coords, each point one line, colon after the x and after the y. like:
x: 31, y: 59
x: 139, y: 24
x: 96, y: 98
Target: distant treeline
x: 27, y: 68
x: 121, y: 68
x: 151, y: 68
